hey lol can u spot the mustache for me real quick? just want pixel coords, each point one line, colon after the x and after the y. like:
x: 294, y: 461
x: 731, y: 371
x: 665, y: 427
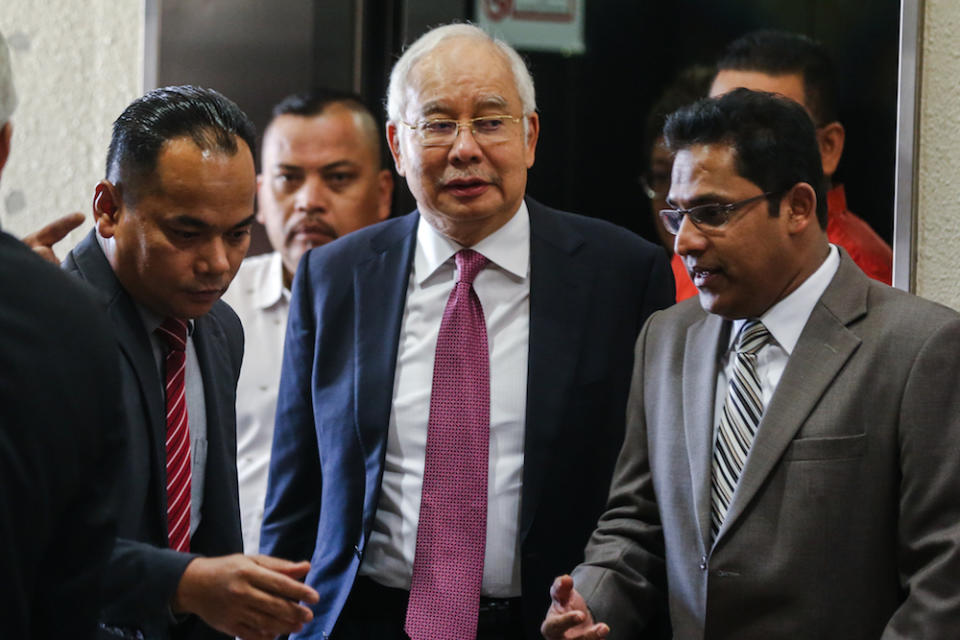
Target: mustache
x: 312, y: 222
x: 450, y: 176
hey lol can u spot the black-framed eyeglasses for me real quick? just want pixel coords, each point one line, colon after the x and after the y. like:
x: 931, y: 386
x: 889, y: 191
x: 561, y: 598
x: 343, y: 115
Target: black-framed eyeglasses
x: 709, y: 216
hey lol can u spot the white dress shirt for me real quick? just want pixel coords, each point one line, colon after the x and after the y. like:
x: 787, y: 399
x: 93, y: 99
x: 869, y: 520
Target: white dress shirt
x: 785, y: 321
x: 258, y: 296
x: 503, y: 288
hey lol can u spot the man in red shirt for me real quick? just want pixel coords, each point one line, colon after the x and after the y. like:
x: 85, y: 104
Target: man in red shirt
x: 800, y: 69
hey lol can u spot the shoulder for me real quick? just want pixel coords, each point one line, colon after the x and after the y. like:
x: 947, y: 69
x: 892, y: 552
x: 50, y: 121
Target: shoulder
x: 225, y: 318
x: 599, y: 238
x: 903, y: 316
x: 362, y: 243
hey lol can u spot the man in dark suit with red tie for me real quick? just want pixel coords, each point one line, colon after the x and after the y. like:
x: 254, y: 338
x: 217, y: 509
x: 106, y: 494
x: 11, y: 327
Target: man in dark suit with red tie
x: 173, y: 221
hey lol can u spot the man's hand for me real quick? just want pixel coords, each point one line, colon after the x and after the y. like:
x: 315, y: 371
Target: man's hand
x: 42, y: 241
x: 568, y: 617
x: 251, y: 597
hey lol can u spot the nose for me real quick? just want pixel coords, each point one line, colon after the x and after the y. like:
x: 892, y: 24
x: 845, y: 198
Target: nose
x: 312, y: 195
x: 214, y: 261
x: 689, y: 239
x: 465, y: 149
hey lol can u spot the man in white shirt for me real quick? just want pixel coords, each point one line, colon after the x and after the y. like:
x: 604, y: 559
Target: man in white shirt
x: 790, y: 465
x: 322, y: 177
x: 448, y: 374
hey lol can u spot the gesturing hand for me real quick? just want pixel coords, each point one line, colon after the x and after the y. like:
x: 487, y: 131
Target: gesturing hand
x: 252, y: 597
x: 42, y: 241
x: 568, y: 617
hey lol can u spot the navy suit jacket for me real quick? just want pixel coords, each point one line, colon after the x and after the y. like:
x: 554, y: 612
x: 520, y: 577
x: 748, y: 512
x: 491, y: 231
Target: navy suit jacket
x: 592, y: 286
x: 143, y: 573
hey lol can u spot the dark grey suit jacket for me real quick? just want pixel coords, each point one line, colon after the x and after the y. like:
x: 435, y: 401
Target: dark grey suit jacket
x: 143, y: 573
x: 846, y: 521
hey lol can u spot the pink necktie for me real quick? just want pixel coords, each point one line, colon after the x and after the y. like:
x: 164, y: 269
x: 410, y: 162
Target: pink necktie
x: 452, y: 532
x: 174, y: 333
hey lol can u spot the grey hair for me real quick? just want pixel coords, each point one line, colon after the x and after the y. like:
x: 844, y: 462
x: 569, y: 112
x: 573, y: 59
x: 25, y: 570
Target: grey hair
x: 396, y: 93
x: 8, y: 95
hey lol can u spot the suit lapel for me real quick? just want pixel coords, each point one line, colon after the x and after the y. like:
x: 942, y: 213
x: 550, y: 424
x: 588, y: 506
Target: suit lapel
x: 134, y: 345
x: 706, y: 342
x: 824, y: 347
x: 380, y: 287
x: 559, y: 288
x: 219, y: 520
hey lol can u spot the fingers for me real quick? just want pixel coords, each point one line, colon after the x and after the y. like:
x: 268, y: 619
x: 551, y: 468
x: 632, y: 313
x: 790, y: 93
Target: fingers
x: 42, y: 241
x: 570, y: 626
x: 46, y: 253
x: 274, y: 576
x: 561, y: 590
x: 55, y: 231
x: 295, y: 570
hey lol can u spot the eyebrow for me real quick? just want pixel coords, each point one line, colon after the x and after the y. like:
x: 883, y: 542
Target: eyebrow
x: 706, y: 198
x: 485, y: 102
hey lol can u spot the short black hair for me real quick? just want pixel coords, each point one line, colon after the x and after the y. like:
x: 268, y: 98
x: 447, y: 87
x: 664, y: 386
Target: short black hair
x: 773, y: 139
x: 780, y: 53
x: 315, y: 101
x: 211, y: 120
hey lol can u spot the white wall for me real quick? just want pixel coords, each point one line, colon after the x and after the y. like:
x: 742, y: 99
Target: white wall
x: 76, y: 65
x: 938, y: 224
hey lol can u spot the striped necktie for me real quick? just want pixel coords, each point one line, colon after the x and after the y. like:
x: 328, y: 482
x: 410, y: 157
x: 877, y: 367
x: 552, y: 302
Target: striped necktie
x: 739, y: 419
x: 174, y: 333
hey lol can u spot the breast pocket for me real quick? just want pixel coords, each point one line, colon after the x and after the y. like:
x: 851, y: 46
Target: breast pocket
x: 830, y: 448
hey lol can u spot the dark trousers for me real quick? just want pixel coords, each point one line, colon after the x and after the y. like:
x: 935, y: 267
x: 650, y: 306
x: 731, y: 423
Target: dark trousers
x: 375, y: 612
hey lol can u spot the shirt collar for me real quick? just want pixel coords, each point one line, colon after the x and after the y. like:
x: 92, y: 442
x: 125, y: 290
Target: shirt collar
x: 786, y: 319
x: 269, y: 289
x: 152, y: 321
x: 508, y: 247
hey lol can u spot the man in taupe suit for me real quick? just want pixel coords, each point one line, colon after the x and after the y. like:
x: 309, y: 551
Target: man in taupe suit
x: 802, y: 481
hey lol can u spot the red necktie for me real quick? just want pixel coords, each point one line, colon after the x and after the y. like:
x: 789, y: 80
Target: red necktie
x: 174, y: 333
x: 452, y: 531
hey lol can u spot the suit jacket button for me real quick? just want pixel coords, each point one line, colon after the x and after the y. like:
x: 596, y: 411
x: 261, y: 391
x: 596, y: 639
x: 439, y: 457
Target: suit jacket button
x: 703, y: 563
x: 356, y: 550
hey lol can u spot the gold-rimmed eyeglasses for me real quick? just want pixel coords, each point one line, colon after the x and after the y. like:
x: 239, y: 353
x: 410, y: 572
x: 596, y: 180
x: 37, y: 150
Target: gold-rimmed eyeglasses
x: 485, y: 129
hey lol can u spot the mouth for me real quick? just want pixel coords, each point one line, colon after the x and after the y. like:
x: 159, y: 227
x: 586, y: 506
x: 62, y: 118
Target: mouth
x: 205, y: 296
x: 466, y: 187
x: 313, y: 234
x: 704, y: 277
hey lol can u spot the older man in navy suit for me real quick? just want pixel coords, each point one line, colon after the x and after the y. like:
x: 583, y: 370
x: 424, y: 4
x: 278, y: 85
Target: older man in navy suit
x: 449, y: 373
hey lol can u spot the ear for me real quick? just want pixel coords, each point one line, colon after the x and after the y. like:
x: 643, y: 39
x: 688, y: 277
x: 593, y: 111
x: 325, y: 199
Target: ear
x: 393, y: 140
x: 5, y: 134
x: 830, y: 138
x: 385, y: 194
x: 533, y: 134
x: 107, y: 208
x: 799, y: 208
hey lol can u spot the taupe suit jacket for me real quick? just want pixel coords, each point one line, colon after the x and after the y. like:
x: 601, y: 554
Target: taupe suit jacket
x: 846, y: 520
